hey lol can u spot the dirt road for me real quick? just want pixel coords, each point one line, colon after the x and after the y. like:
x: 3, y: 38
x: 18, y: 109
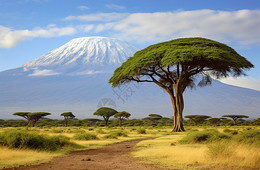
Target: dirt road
x: 112, y: 157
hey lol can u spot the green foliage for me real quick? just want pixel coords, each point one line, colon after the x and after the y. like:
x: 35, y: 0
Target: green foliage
x: 214, y: 121
x: 141, y: 131
x: 85, y: 136
x: 68, y: 114
x: 251, y: 137
x: 231, y: 132
x: 22, y: 114
x: 110, y: 136
x: 105, y: 111
x: 100, y: 131
x: 187, y: 51
x: 120, y: 133
x: 122, y: 114
x: 235, y: 117
x: 197, y: 118
x: 31, y: 140
x: 115, y: 134
x: 203, y: 137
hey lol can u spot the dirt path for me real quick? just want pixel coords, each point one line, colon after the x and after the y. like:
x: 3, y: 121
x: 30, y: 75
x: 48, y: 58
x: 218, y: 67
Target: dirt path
x: 112, y: 157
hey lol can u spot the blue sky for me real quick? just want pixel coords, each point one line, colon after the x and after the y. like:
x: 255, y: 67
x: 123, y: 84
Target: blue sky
x: 31, y: 28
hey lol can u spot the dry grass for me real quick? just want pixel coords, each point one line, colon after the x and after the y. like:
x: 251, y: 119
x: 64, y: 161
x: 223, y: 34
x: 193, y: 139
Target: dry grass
x: 228, y: 154
x: 15, y: 157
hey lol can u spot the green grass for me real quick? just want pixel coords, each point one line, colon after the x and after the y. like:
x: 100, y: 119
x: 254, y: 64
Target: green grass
x: 85, y: 136
x: 205, y: 136
x: 31, y: 140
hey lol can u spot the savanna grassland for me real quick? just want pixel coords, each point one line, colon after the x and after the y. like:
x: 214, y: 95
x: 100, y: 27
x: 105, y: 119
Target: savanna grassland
x: 207, y: 147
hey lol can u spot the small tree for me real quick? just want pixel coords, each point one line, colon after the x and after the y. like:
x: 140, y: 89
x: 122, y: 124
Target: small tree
x: 121, y: 116
x: 235, y: 117
x: 106, y: 113
x: 32, y: 117
x: 67, y: 116
x: 197, y: 119
x: 214, y: 121
x: 154, y: 117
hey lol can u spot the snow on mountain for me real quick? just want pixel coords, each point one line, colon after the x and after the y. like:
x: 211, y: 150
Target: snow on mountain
x: 81, y: 56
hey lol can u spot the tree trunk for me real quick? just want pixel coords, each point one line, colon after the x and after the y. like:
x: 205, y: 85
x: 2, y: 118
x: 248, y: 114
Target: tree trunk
x: 106, y: 120
x: 177, y: 106
x: 66, y: 121
x: 120, y: 122
x: 33, y: 123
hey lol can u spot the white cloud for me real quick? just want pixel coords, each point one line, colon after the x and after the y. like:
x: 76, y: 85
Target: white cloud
x: 83, y: 7
x: 245, y: 82
x: 240, y: 26
x: 98, y: 17
x: 115, y: 7
x: 9, y: 37
x: 88, y: 28
x: 44, y: 72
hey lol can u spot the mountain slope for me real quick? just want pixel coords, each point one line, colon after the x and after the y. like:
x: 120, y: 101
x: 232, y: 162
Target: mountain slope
x: 80, y: 56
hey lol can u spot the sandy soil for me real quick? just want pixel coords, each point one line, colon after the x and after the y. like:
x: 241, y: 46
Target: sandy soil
x: 112, y: 157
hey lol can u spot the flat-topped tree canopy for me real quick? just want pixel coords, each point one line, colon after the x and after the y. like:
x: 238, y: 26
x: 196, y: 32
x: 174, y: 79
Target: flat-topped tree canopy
x: 68, y: 114
x: 22, y: 114
x: 106, y: 113
x: 235, y: 117
x: 194, y: 55
x: 122, y: 114
x: 174, y: 65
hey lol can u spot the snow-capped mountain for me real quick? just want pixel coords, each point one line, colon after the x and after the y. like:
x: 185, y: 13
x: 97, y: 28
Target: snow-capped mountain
x: 81, y: 56
x: 74, y: 77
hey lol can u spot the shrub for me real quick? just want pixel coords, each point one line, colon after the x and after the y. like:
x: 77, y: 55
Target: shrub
x: 204, y: 137
x: 231, y: 132
x: 120, y: 133
x: 57, y: 131
x: 100, y: 131
x: 28, y: 140
x: 249, y: 137
x: 85, y: 136
x: 115, y: 134
x: 141, y: 131
x: 110, y: 136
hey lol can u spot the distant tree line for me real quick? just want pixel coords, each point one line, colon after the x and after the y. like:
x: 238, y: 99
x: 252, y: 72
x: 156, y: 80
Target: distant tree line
x: 112, y: 118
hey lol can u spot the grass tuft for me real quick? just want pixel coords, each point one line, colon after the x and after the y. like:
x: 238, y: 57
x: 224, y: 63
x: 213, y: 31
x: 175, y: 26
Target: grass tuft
x: 205, y: 136
x: 85, y: 136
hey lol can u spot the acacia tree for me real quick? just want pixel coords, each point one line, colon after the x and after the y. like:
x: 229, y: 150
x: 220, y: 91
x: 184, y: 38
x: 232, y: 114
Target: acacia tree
x: 214, y: 121
x: 235, y: 117
x: 174, y: 66
x: 121, y: 116
x: 67, y: 116
x: 106, y: 113
x: 197, y: 118
x: 32, y: 117
x: 24, y: 115
x: 154, y: 117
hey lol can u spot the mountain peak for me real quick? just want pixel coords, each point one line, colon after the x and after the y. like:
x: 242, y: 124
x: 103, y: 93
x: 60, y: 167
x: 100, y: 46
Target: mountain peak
x: 80, y: 56
x: 86, y: 51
